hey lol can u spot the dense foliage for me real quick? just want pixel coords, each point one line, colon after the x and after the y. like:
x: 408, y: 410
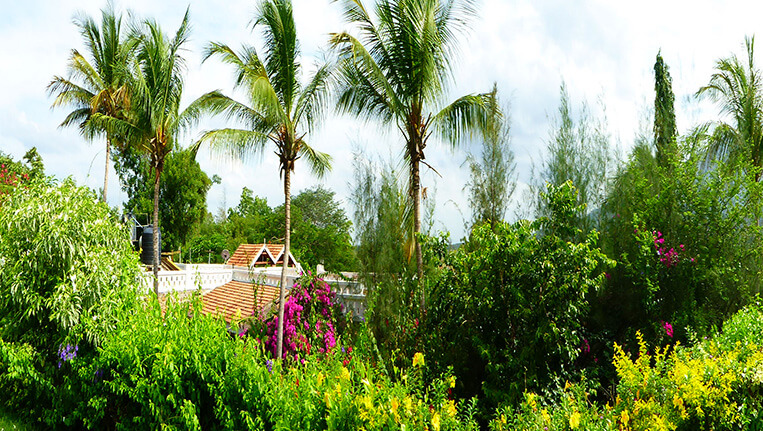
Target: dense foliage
x: 182, y: 193
x: 320, y: 230
x: 68, y: 275
x: 509, y: 309
x: 688, y: 247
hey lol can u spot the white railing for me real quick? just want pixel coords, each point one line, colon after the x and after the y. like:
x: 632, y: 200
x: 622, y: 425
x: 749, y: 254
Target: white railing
x: 190, y: 277
x: 351, y: 294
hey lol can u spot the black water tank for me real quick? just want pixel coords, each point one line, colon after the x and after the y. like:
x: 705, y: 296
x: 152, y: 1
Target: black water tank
x: 147, y: 255
x: 137, y: 234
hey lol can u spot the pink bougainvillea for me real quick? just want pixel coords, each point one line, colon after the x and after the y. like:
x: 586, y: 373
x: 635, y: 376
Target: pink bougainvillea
x: 311, y: 314
x: 669, y: 257
x: 668, y: 329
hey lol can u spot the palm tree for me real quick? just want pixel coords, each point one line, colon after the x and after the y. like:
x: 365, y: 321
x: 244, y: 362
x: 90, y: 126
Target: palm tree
x: 95, y: 86
x: 279, y: 110
x: 738, y: 87
x: 398, y: 69
x: 153, y: 121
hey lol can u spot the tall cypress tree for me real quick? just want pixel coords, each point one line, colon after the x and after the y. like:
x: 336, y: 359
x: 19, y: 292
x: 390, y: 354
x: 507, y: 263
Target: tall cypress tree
x: 665, y: 131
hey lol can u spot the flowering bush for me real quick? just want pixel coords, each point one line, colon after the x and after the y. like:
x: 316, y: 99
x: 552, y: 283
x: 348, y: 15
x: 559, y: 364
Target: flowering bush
x: 686, y: 249
x: 717, y: 384
x: 312, y: 318
x: 15, y: 174
x: 9, y: 180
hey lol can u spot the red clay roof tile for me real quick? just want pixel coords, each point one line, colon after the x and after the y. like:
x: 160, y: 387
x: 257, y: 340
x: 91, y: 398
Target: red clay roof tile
x: 237, y: 297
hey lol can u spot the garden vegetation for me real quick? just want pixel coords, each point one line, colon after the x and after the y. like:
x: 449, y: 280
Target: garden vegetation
x: 630, y: 301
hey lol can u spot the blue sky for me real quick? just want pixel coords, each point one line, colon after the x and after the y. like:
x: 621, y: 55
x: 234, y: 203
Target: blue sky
x: 604, y: 51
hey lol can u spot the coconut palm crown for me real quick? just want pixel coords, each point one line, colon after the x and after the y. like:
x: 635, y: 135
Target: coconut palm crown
x: 279, y: 109
x: 96, y: 85
x: 154, y: 120
x: 396, y: 67
x: 738, y: 87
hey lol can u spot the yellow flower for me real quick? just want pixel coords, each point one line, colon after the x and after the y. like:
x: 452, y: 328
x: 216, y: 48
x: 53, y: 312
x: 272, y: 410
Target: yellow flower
x: 436, y: 422
x: 452, y: 381
x: 678, y: 401
x: 408, y: 404
x: 320, y: 379
x: 545, y: 415
x: 418, y: 359
x: 531, y: 400
x: 575, y: 420
x: 451, y: 409
x: 345, y: 373
x: 624, y: 418
x: 327, y: 400
x: 503, y: 420
x: 394, y: 405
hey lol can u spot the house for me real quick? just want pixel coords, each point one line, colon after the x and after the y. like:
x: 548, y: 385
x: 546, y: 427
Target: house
x: 248, y: 283
x: 255, y: 280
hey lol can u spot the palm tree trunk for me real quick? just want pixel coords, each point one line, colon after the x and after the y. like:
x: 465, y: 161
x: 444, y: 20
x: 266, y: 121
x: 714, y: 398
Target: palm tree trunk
x: 416, y: 192
x: 155, y: 241
x: 286, y: 246
x: 106, y: 173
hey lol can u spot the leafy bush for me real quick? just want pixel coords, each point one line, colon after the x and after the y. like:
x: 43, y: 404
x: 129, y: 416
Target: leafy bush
x: 185, y: 370
x: 508, y: 311
x: 706, y: 214
x: 67, y: 266
x: 68, y: 274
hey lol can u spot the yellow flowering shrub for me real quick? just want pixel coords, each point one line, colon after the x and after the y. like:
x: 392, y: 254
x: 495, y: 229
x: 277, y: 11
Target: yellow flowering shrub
x: 716, y: 384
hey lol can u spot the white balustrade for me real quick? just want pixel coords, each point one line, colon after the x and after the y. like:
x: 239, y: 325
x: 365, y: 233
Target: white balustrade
x: 190, y: 277
x: 351, y: 294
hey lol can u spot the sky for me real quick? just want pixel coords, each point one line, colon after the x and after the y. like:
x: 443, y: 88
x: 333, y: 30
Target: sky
x: 604, y: 51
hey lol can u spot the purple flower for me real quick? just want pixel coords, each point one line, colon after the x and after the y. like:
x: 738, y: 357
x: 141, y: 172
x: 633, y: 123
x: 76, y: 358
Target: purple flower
x: 67, y: 353
x: 269, y: 364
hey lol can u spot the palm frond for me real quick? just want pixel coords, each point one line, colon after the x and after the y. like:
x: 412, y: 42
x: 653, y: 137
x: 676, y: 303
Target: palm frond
x: 235, y: 144
x: 69, y: 93
x: 281, y: 53
x: 464, y: 116
x: 318, y: 162
x: 313, y: 99
x: 363, y: 87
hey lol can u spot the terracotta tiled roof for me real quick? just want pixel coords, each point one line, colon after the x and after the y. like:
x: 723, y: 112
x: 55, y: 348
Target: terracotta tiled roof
x: 275, y: 250
x: 259, y: 254
x: 245, y: 254
x: 236, y: 296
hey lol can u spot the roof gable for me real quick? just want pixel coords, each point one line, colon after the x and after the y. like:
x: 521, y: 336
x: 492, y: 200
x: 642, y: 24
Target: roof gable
x: 248, y: 255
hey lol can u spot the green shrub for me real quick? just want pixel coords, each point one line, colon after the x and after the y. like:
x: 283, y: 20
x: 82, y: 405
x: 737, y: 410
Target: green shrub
x: 705, y: 213
x: 68, y: 273
x: 509, y: 309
